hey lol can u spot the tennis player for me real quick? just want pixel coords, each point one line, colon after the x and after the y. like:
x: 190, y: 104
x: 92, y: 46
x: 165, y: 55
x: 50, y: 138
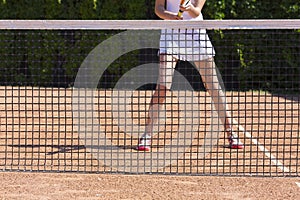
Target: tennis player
x: 188, y: 45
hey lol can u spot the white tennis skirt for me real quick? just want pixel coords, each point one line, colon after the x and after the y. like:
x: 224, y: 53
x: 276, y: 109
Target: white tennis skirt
x: 186, y: 44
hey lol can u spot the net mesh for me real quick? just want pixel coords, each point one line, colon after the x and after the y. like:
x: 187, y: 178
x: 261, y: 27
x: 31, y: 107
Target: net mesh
x: 75, y: 96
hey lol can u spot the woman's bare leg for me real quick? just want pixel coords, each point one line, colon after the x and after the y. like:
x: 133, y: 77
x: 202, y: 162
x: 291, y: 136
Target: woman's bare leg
x: 210, y: 79
x: 164, y: 82
x: 209, y: 75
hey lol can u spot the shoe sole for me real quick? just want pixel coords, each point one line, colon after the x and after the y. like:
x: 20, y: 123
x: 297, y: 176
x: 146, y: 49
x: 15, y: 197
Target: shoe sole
x: 236, y: 146
x: 143, y: 148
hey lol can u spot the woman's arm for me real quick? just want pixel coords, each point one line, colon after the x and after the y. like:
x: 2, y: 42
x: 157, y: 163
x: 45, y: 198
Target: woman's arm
x: 194, y: 9
x: 161, y: 12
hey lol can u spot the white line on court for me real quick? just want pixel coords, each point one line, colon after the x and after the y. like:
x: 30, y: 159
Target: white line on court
x: 263, y: 149
x: 298, y: 184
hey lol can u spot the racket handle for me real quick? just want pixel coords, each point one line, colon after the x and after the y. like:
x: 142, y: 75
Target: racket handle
x: 180, y: 12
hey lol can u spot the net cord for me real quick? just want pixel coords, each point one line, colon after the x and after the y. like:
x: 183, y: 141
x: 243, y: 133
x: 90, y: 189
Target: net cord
x: 146, y: 24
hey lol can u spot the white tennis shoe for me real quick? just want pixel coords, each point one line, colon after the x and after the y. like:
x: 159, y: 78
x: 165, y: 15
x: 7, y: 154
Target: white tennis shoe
x: 234, y: 141
x: 144, y: 144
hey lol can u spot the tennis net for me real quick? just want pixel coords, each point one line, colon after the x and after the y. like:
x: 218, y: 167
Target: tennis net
x: 75, y: 96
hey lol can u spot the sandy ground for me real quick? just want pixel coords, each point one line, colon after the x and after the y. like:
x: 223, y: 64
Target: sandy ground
x: 92, y: 186
x: 37, y: 134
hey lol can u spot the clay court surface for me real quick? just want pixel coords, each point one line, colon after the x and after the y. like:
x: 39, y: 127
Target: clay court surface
x: 93, y: 186
x: 38, y: 134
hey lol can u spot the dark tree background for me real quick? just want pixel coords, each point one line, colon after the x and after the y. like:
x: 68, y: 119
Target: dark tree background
x: 248, y: 59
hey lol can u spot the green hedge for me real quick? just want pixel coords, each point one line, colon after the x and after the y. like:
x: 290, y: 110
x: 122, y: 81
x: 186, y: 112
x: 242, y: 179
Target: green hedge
x: 267, y: 60
x: 259, y: 59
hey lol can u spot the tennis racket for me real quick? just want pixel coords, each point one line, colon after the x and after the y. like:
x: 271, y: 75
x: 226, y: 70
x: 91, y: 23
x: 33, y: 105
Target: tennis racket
x: 183, y: 3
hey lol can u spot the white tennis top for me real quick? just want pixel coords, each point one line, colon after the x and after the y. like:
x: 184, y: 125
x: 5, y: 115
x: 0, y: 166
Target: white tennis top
x: 185, y: 44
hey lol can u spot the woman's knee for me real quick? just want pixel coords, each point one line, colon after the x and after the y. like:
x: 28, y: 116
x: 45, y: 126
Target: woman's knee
x: 159, y: 95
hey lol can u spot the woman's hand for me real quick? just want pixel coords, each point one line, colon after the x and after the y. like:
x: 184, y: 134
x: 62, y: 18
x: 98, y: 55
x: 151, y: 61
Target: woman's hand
x: 187, y: 8
x: 194, y: 9
x: 176, y: 17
